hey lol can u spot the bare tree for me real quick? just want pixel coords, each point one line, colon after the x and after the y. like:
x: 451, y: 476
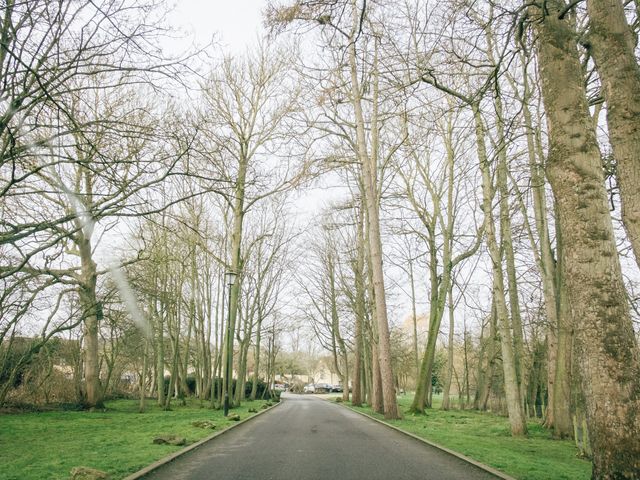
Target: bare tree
x: 248, y: 113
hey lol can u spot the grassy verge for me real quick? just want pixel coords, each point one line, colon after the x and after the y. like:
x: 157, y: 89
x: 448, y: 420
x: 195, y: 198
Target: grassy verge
x: 485, y: 437
x: 118, y: 441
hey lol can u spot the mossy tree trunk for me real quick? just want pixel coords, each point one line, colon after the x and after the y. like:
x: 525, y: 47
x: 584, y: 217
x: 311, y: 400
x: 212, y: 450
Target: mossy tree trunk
x: 607, y: 352
x: 612, y: 43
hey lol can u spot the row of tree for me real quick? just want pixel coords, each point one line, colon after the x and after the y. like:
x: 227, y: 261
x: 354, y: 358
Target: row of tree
x: 477, y: 126
x: 470, y: 141
x: 122, y: 210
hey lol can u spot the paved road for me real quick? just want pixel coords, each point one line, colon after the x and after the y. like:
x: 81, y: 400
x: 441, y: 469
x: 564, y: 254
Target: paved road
x: 308, y: 438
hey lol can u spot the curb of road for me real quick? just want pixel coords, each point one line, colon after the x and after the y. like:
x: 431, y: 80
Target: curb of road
x: 481, y: 466
x: 169, y: 458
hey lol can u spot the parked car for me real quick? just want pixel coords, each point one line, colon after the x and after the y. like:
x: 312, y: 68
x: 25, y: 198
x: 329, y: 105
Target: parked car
x: 310, y: 388
x: 337, y: 388
x: 323, y: 388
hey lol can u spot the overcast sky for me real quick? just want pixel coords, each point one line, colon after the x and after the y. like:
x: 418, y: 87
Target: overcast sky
x: 235, y: 23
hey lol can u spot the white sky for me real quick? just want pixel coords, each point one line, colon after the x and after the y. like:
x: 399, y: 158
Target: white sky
x: 235, y: 23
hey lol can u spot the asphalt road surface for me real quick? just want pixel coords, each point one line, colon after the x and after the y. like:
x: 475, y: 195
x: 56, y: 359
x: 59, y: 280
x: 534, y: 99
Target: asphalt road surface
x: 309, y: 438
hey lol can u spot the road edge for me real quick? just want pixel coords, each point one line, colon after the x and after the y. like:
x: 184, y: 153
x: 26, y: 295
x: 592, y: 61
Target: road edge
x: 171, y: 457
x: 459, y: 455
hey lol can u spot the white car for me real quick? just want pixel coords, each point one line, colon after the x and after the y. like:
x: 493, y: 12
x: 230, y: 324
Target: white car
x: 310, y: 388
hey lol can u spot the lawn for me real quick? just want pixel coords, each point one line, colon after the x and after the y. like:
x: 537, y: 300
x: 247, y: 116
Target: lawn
x: 48, y: 445
x: 485, y: 437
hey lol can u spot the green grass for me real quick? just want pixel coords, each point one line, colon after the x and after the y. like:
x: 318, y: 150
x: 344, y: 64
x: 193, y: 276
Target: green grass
x: 485, y: 437
x: 48, y: 445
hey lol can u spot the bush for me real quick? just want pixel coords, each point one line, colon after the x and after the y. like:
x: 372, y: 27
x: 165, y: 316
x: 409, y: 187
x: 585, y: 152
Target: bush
x: 262, y: 388
x: 262, y: 391
x: 191, y: 384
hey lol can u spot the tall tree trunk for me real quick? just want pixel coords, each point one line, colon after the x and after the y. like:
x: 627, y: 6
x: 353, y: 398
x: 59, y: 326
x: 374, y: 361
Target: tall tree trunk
x: 612, y: 43
x: 422, y: 397
x: 360, y: 307
x: 507, y: 245
x: 256, y: 362
x: 89, y: 305
x: 236, y: 267
x: 143, y: 377
x: 377, y: 400
x: 172, y: 381
x: 369, y: 176
x: 517, y: 418
x: 607, y: 350
x: 367, y: 376
x: 487, y: 385
x: 414, y: 315
x: 547, y: 266
x: 481, y: 371
x: 184, y: 387
x: 160, y: 361
x: 218, y: 368
x: 449, y: 377
x: 562, y: 424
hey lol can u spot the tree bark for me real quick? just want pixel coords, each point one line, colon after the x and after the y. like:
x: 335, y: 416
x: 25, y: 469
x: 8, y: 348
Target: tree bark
x: 561, y: 398
x: 89, y: 305
x: 486, y: 386
x: 612, y: 43
x: 449, y: 377
x: 256, y: 363
x: 360, y: 304
x: 414, y: 320
x: 606, y: 346
x: 236, y: 267
x: 160, y: 361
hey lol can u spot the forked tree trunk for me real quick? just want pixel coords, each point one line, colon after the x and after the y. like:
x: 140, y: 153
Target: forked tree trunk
x: 369, y: 177
x: 441, y: 280
x: 612, y: 43
x: 606, y: 345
